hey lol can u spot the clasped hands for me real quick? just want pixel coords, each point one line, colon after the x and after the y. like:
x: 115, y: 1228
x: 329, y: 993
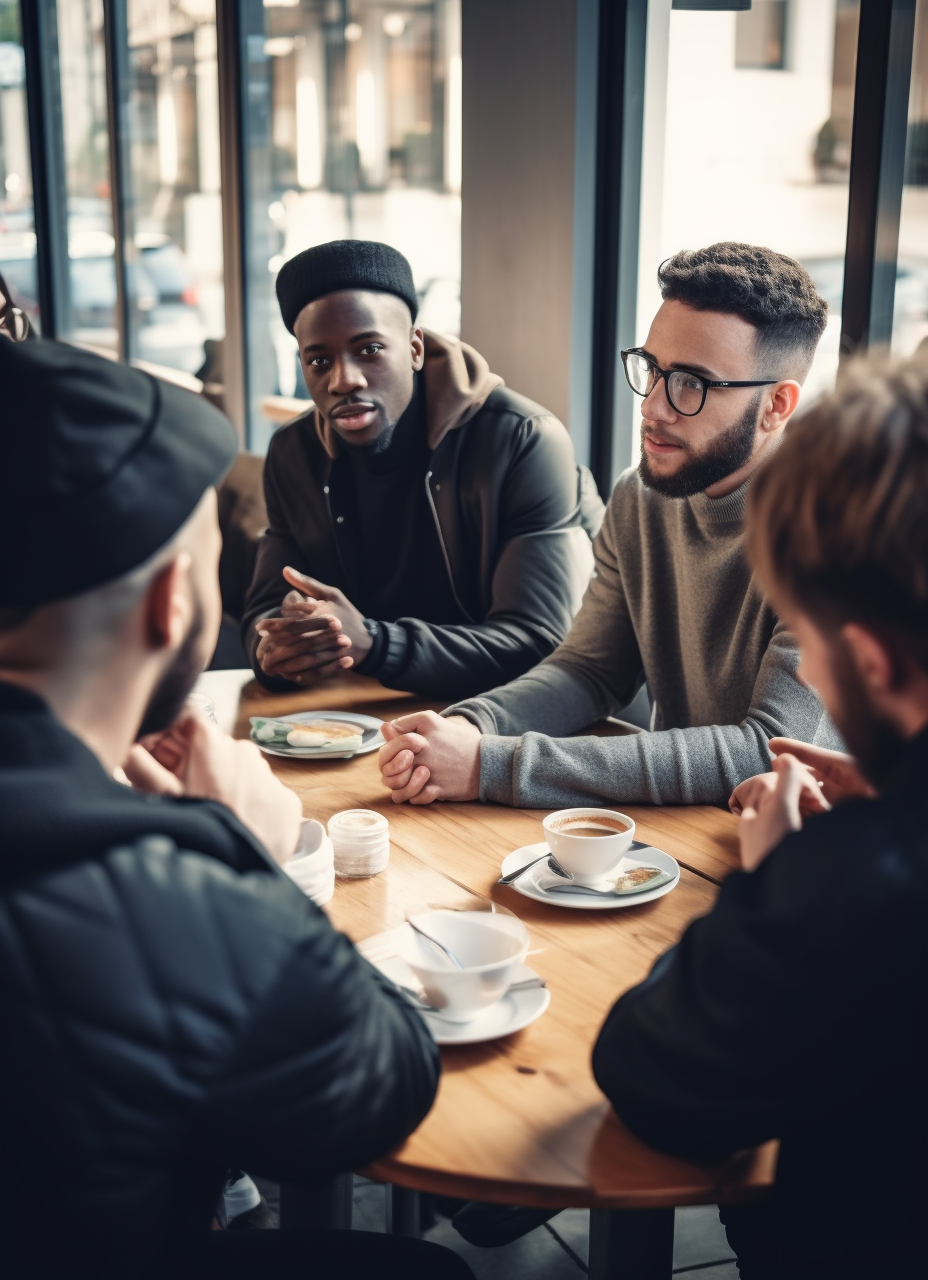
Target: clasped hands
x: 318, y: 633
x: 805, y: 780
x: 429, y: 757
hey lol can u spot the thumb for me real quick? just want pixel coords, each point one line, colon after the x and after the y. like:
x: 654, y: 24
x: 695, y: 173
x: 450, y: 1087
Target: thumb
x: 415, y: 722
x: 389, y: 731
x: 791, y: 776
x: 146, y: 774
x: 309, y: 586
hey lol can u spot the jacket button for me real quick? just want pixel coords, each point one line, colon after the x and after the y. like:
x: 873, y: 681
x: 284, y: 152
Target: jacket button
x: 339, y: 519
x: 325, y: 489
x: 438, y: 488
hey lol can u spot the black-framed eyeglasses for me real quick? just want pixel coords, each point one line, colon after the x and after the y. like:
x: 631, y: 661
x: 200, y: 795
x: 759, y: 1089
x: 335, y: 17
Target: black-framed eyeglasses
x: 686, y: 391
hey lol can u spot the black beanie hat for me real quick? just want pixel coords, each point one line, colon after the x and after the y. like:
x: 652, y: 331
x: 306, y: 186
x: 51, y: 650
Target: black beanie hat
x: 102, y: 464
x: 343, y: 264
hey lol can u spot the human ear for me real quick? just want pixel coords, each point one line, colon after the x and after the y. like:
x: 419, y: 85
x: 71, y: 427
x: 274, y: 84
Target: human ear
x: 167, y: 603
x: 417, y: 347
x: 782, y: 400
x: 872, y: 657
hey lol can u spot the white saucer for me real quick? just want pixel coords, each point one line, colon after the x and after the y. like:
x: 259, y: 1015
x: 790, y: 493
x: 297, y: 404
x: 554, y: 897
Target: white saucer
x: 529, y: 888
x: 372, y: 739
x: 517, y: 1010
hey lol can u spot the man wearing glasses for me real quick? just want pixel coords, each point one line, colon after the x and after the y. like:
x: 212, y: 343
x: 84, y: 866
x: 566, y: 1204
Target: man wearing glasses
x: 673, y: 602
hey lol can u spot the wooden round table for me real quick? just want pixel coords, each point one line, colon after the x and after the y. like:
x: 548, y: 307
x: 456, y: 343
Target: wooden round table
x: 520, y: 1120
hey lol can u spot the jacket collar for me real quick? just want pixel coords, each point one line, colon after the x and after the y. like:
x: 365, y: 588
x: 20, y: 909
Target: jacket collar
x: 457, y: 383
x: 59, y: 807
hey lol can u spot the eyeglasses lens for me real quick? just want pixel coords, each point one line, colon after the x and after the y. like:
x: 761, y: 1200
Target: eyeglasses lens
x: 686, y: 391
x: 639, y: 371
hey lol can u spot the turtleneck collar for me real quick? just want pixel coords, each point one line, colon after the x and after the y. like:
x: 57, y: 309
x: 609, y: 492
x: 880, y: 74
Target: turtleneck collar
x: 730, y: 509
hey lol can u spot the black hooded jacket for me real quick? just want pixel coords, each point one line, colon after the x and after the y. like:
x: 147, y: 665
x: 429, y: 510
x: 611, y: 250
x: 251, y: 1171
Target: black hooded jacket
x: 172, y: 1005
x: 510, y: 520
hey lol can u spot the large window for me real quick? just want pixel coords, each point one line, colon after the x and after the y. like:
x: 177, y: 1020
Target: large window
x: 749, y: 156
x: 354, y: 131
x: 17, y: 228
x: 90, y: 315
x: 910, y: 312
x: 172, y: 195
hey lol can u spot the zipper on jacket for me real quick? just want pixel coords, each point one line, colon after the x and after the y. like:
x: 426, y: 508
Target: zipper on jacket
x: 444, y: 549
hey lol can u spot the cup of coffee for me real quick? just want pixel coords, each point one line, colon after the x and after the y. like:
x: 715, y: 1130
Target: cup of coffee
x: 490, y: 947
x: 589, y: 843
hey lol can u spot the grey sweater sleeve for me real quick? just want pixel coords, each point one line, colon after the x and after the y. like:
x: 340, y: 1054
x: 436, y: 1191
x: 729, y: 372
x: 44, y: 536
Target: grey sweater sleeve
x: 595, y: 671
x: 698, y: 765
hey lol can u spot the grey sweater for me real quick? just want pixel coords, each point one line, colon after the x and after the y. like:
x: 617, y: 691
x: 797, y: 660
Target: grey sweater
x: 673, y: 603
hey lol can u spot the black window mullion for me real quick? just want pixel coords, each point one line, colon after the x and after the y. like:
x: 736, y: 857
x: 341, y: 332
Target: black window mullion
x: 878, y: 138
x: 46, y: 147
x: 620, y: 126
x: 116, y: 44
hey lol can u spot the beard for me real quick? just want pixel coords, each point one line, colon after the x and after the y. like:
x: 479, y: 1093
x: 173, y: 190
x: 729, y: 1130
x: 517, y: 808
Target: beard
x: 172, y: 690
x: 874, y: 743
x: 726, y: 454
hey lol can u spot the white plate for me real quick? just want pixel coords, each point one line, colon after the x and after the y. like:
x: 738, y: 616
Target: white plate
x: 529, y: 888
x: 371, y: 739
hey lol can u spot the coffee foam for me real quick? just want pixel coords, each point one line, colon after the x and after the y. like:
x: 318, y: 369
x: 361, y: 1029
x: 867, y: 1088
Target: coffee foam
x: 576, y: 824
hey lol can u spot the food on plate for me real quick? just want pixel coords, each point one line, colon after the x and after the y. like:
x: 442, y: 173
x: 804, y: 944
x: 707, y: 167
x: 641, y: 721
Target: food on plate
x: 311, y: 733
x: 638, y: 879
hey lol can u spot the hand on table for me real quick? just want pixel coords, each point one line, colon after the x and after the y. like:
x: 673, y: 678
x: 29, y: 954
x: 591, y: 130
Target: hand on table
x: 838, y: 773
x: 194, y: 758
x: 811, y: 798
x: 318, y: 633
x: 429, y: 758
x: 771, y: 808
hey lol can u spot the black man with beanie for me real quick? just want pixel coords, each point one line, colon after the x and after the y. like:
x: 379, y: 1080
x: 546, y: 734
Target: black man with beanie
x: 426, y: 525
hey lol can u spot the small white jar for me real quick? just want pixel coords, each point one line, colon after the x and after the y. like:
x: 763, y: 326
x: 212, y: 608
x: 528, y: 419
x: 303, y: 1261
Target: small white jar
x: 361, y: 841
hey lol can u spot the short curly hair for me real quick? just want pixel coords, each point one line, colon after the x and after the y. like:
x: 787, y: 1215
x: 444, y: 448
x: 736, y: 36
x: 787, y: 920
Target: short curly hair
x: 770, y: 291
x: 837, y: 520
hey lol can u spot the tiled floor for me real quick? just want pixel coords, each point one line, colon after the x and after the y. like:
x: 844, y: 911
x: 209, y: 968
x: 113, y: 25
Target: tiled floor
x: 558, y: 1251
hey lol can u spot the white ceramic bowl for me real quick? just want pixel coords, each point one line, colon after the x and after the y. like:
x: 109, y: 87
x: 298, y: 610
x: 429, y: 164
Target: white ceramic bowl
x: 589, y: 858
x: 489, y: 946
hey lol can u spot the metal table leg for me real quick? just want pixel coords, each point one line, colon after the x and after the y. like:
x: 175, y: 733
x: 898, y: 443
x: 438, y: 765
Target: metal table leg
x: 631, y: 1244
x: 323, y: 1204
x: 404, y: 1213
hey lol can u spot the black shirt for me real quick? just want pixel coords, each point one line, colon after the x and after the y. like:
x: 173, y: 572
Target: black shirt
x: 389, y: 533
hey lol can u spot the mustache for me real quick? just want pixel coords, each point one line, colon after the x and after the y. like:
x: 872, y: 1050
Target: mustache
x: 664, y: 437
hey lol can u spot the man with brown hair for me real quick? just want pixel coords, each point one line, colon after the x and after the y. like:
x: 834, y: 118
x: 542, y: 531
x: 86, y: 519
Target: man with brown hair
x: 792, y: 1010
x: 673, y: 602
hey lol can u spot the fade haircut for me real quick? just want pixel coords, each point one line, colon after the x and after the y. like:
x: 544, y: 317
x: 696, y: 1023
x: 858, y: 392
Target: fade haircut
x: 773, y: 293
x: 837, y: 519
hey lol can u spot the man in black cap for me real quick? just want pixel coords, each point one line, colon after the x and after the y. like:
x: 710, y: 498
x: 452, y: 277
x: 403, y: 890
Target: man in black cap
x: 172, y: 1004
x: 433, y: 527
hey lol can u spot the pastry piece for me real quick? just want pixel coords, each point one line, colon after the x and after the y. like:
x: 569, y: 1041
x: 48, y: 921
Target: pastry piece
x: 325, y: 733
x: 312, y: 733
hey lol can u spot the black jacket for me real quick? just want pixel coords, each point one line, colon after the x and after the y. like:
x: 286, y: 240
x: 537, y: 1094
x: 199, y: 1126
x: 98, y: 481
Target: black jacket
x: 798, y: 1009
x: 513, y: 514
x: 172, y: 1005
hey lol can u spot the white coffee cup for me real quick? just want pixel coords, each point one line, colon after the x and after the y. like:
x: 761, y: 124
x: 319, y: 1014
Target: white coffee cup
x: 312, y: 866
x: 573, y: 836
x: 489, y: 946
